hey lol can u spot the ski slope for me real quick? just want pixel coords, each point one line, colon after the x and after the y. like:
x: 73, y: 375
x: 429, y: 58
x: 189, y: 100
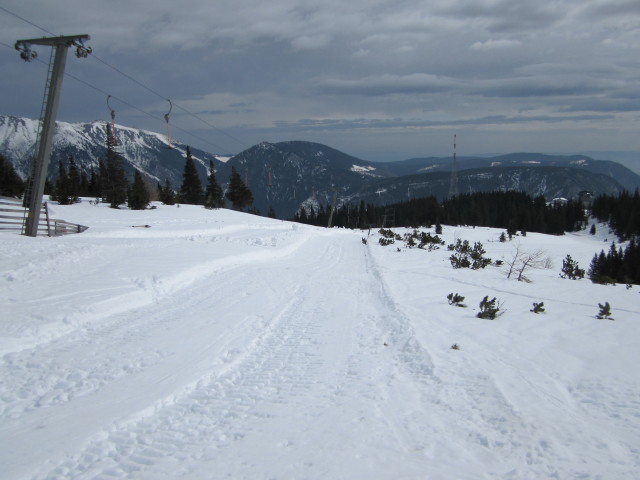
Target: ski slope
x: 221, y: 345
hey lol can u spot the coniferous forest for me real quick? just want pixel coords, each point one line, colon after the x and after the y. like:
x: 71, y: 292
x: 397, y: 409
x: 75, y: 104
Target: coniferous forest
x: 622, y: 213
x: 11, y: 185
x: 618, y: 265
x: 512, y: 211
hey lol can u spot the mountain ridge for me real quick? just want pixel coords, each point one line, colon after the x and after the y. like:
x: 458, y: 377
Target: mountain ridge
x: 293, y: 174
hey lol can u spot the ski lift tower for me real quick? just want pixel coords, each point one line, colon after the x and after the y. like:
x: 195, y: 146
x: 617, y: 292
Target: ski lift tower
x: 48, y: 114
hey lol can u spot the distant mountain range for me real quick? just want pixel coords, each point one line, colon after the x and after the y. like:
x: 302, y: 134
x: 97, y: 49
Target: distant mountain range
x: 289, y: 175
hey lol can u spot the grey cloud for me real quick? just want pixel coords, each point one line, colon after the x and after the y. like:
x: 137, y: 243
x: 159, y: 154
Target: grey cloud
x: 362, y: 123
x: 613, y: 9
x: 599, y: 104
x: 506, y: 15
x: 538, y: 87
x: 389, y: 67
x: 387, y: 84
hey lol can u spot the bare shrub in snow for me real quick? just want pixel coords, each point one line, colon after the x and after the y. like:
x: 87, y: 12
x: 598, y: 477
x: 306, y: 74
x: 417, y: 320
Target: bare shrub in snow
x: 521, y: 262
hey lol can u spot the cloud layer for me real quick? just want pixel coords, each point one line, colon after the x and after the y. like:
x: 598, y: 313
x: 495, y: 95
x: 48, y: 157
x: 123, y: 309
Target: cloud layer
x: 379, y: 79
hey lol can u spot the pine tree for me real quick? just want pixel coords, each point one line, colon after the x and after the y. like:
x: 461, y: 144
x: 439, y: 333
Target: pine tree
x: 238, y: 193
x: 74, y: 181
x: 139, y: 196
x: 456, y: 299
x: 84, y: 184
x: 488, y: 308
x: 113, y: 180
x: 214, y: 196
x: 166, y: 194
x: 62, y: 186
x: 303, y: 216
x: 191, y: 188
x: 94, y: 181
x: 570, y: 269
x: 605, y: 311
x: 538, y: 307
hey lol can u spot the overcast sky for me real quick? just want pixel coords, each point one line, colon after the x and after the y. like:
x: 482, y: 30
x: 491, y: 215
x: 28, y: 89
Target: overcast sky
x: 377, y: 79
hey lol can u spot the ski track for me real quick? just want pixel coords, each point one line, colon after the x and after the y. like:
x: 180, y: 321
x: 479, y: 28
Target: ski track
x: 61, y: 383
x: 251, y: 388
x: 100, y: 305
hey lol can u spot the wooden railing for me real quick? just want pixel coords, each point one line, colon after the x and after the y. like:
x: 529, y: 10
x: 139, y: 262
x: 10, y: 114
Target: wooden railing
x: 13, y: 218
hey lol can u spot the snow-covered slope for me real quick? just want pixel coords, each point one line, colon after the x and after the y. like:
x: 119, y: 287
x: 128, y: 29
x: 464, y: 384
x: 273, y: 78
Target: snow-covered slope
x: 216, y: 344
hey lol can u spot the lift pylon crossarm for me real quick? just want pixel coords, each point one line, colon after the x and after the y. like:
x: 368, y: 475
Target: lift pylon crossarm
x: 67, y: 40
x: 27, y: 54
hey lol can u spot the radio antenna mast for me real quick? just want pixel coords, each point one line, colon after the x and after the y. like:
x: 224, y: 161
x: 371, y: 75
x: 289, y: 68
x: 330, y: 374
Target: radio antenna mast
x: 453, y: 186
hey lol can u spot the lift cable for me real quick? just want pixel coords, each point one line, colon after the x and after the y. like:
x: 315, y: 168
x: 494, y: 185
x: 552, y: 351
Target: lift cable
x: 149, y: 89
x: 173, y: 103
x: 27, y: 21
x: 130, y: 105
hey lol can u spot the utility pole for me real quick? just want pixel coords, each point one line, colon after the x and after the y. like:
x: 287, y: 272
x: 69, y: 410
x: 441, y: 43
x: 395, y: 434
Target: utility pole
x: 48, y: 114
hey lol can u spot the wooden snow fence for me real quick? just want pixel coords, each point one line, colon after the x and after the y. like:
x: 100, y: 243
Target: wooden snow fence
x: 13, y: 218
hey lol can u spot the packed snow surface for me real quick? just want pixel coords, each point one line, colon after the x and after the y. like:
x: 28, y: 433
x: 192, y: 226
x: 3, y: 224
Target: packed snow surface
x: 219, y: 345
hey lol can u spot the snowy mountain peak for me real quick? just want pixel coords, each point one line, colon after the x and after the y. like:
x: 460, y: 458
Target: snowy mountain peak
x: 142, y: 150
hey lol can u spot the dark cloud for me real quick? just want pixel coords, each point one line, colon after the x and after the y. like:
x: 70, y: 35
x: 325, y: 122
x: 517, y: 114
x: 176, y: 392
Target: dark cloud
x: 387, y: 84
x: 614, y: 8
x: 375, y: 124
x: 506, y: 15
x: 542, y: 87
x: 358, y: 73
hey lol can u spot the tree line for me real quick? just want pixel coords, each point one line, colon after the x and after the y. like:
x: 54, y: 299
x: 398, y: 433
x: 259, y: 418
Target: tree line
x: 621, y: 212
x: 212, y: 195
x: 618, y: 265
x: 109, y: 184
x: 11, y: 185
x: 512, y: 211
